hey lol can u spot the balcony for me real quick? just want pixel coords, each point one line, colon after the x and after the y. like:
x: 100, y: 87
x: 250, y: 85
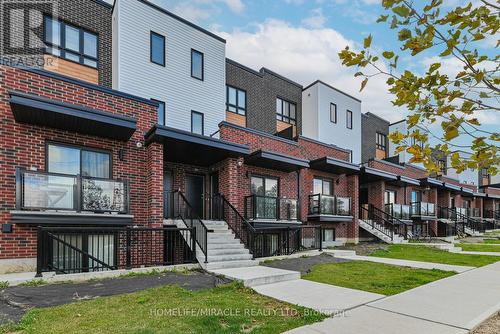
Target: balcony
x: 399, y: 211
x: 330, y: 208
x: 474, y: 212
x: 270, y: 208
x: 423, y: 210
x: 57, y: 197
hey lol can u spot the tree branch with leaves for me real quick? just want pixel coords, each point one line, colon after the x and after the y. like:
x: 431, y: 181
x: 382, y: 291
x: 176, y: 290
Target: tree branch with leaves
x: 452, y: 100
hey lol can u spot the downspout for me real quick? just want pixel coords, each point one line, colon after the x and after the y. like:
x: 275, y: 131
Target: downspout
x: 299, y: 195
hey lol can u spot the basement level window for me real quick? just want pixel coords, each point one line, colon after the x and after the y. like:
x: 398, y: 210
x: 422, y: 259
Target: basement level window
x: 71, y: 42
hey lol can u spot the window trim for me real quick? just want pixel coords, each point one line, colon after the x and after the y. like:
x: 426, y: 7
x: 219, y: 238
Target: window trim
x: 283, y: 100
x: 264, y: 177
x: 323, y: 234
x: 193, y: 112
x: 164, y: 111
x: 395, y: 196
x: 151, y: 34
x: 81, y: 148
x: 237, y: 107
x: 336, y: 118
x: 202, y: 65
x: 349, y: 116
x: 62, y: 47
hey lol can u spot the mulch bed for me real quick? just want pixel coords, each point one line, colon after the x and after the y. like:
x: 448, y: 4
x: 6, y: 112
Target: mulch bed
x: 303, y: 264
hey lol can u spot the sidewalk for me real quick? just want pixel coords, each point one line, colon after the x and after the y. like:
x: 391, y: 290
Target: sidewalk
x: 454, y: 305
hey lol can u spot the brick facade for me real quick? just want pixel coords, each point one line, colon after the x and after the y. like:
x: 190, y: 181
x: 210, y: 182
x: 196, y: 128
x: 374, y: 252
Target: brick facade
x: 23, y: 145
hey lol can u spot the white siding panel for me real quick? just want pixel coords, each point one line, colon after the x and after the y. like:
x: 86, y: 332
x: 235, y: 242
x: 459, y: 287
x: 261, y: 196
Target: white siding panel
x: 173, y: 83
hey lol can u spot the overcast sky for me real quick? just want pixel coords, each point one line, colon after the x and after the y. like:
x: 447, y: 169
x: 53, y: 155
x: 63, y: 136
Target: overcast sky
x: 300, y: 39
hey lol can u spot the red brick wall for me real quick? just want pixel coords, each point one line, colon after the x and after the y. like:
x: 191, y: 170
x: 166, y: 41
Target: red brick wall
x: 23, y: 145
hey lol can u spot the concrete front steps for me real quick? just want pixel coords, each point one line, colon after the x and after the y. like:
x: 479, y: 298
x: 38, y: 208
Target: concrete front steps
x: 366, y: 225
x: 258, y: 275
x: 472, y: 233
x: 224, y: 249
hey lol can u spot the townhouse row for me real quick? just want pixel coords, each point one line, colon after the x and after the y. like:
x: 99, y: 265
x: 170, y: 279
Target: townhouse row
x: 137, y: 119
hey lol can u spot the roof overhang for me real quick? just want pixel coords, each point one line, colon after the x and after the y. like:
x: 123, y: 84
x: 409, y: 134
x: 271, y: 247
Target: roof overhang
x: 493, y: 196
x: 36, y: 110
x: 432, y: 182
x: 467, y: 191
x: 405, y: 180
x: 479, y: 195
x: 334, y: 166
x: 189, y: 148
x: 452, y: 187
x: 369, y: 174
x: 276, y: 161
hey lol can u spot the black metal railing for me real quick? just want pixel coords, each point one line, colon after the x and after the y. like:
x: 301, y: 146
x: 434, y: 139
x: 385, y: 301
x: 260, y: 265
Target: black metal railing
x: 265, y: 241
x: 271, y: 208
x: 491, y: 214
x: 329, y: 205
x: 423, y: 209
x: 476, y: 225
x: 474, y: 212
x: 381, y: 221
x: 39, y: 191
x: 399, y: 211
x: 67, y: 250
x: 457, y: 226
x: 178, y: 207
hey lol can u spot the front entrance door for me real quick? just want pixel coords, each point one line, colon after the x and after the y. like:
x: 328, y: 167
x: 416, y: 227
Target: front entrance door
x: 167, y: 194
x: 214, y: 203
x: 194, y: 192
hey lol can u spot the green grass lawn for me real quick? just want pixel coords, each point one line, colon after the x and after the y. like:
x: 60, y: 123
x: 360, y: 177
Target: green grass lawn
x: 380, y: 278
x: 428, y: 254
x: 235, y: 310
x: 492, y: 241
x: 480, y: 247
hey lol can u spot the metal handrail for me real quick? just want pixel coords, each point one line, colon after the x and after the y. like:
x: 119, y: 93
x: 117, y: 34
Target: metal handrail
x: 416, y: 209
x: 370, y: 215
x: 271, y: 207
x: 390, y: 208
x: 316, y: 205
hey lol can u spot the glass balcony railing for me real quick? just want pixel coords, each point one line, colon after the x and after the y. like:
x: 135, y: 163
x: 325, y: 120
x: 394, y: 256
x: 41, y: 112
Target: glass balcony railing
x: 399, y: 211
x: 330, y: 205
x: 40, y: 191
x: 271, y: 208
x: 423, y: 209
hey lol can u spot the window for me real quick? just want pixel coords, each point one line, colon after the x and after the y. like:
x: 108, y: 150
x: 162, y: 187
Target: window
x: 349, y: 119
x: 161, y: 118
x: 264, y: 186
x: 333, y: 113
x: 70, y: 42
x: 197, y: 125
x: 323, y: 186
x: 236, y: 100
x: 390, y: 197
x: 381, y: 141
x: 197, y: 64
x: 416, y: 196
x: 286, y: 111
x: 157, y: 49
x: 78, y: 161
x: 328, y: 234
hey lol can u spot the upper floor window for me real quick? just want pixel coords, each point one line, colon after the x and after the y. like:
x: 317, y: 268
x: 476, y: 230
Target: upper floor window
x: 333, y: 113
x: 484, y: 172
x: 381, y: 141
x: 264, y: 186
x: 197, y: 123
x: 161, y: 112
x: 389, y: 197
x: 442, y: 167
x: 70, y: 42
x: 323, y: 186
x: 236, y: 100
x: 349, y: 119
x: 73, y: 160
x: 197, y: 66
x: 157, y: 49
x: 286, y: 111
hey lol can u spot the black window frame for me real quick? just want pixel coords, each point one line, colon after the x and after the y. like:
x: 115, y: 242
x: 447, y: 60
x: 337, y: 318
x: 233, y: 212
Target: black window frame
x: 381, y: 141
x: 81, y: 148
x: 281, y: 116
x: 333, y: 120
x: 349, y: 119
x: 442, y: 166
x: 164, y: 58
x: 193, y: 112
x: 264, y: 177
x: 323, y: 179
x: 323, y: 234
x: 62, y: 47
x: 164, y: 111
x: 387, y: 191
x: 194, y: 51
x: 237, y: 107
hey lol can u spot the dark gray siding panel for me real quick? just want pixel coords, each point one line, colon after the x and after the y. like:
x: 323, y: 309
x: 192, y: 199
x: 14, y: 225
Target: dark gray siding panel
x: 370, y: 125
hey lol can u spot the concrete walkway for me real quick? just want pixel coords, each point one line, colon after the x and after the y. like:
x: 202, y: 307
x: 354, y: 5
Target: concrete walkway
x: 454, y: 305
x: 407, y: 263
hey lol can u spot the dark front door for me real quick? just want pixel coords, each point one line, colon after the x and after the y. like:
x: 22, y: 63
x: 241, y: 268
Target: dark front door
x: 167, y: 193
x: 215, y: 212
x: 194, y: 192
